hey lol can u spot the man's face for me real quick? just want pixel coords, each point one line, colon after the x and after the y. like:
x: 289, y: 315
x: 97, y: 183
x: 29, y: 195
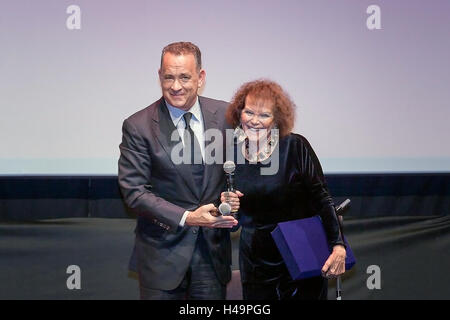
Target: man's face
x: 180, y: 80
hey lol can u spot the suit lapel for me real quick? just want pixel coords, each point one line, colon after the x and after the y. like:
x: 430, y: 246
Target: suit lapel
x: 210, y: 122
x: 163, y: 129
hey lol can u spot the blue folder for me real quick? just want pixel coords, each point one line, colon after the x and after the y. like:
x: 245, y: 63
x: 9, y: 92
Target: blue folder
x: 304, y: 247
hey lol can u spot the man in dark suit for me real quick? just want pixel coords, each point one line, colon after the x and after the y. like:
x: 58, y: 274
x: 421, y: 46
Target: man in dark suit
x: 183, y: 249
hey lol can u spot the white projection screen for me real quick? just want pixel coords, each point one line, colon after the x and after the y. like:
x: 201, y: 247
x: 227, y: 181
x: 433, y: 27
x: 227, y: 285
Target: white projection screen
x: 371, y: 79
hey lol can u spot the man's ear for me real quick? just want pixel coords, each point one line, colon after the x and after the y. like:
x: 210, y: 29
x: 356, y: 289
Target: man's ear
x: 201, y: 78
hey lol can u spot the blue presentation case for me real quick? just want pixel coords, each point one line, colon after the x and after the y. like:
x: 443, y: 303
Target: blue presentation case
x: 304, y: 247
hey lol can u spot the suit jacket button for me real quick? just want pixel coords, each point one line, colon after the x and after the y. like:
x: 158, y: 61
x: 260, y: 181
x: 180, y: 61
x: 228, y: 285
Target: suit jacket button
x: 194, y: 231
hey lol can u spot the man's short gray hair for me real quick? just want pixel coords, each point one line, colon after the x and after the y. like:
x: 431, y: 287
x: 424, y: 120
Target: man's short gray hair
x: 182, y: 48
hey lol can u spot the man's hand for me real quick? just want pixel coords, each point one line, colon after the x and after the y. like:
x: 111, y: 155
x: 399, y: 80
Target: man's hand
x: 204, y: 217
x: 232, y: 198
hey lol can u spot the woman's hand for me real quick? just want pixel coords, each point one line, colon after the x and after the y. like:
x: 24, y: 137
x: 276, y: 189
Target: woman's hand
x: 232, y: 198
x: 335, y: 264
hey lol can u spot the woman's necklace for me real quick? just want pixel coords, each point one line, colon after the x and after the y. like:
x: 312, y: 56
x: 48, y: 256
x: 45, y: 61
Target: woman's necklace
x: 256, y: 153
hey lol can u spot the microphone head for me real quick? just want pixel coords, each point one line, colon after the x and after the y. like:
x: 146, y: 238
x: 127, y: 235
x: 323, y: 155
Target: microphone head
x: 224, y: 208
x: 229, y: 167
x: 343, y: 207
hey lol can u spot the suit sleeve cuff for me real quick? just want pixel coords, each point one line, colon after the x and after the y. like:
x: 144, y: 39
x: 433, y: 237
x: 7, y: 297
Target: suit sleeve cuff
x: 183, y: 218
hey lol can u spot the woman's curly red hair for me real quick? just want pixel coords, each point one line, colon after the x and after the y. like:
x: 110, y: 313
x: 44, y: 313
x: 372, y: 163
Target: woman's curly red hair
x: 264, y: 90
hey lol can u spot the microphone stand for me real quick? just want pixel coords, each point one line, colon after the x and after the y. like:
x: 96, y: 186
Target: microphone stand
x: 340, y: 210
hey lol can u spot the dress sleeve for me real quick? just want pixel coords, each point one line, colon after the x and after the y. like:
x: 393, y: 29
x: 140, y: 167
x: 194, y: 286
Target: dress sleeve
x: 321, y: 201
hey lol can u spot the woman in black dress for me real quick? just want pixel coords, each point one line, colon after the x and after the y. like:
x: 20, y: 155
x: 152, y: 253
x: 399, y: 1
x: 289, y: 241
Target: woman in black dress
x: 281, y: 179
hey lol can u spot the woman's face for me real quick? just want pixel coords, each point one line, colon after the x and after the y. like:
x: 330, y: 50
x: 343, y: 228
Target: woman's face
x: 257, y: 118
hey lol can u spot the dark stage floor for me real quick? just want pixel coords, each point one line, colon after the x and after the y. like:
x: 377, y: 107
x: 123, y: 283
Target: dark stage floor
x: 412, y: 254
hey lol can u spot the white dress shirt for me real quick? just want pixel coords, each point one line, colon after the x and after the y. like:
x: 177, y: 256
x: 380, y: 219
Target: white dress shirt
x: 196, y: 123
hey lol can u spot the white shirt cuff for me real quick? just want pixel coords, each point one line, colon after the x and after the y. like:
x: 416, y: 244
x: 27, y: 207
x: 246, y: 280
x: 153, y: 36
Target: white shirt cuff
x: 183, y: 219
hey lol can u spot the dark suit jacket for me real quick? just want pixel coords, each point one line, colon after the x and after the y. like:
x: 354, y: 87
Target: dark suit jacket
x: 160, y: 191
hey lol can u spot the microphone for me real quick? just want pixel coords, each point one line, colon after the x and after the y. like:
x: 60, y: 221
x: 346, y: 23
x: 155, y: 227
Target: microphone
x: 228, y: 167
x: 225, y: 209
x: 340, y: 210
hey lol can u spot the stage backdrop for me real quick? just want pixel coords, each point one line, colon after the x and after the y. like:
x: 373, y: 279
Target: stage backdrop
x: 370, y: 78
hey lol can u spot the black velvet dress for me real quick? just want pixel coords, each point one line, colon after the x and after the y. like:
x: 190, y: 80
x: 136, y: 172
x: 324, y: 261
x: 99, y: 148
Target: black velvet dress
x: 297, y: 190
